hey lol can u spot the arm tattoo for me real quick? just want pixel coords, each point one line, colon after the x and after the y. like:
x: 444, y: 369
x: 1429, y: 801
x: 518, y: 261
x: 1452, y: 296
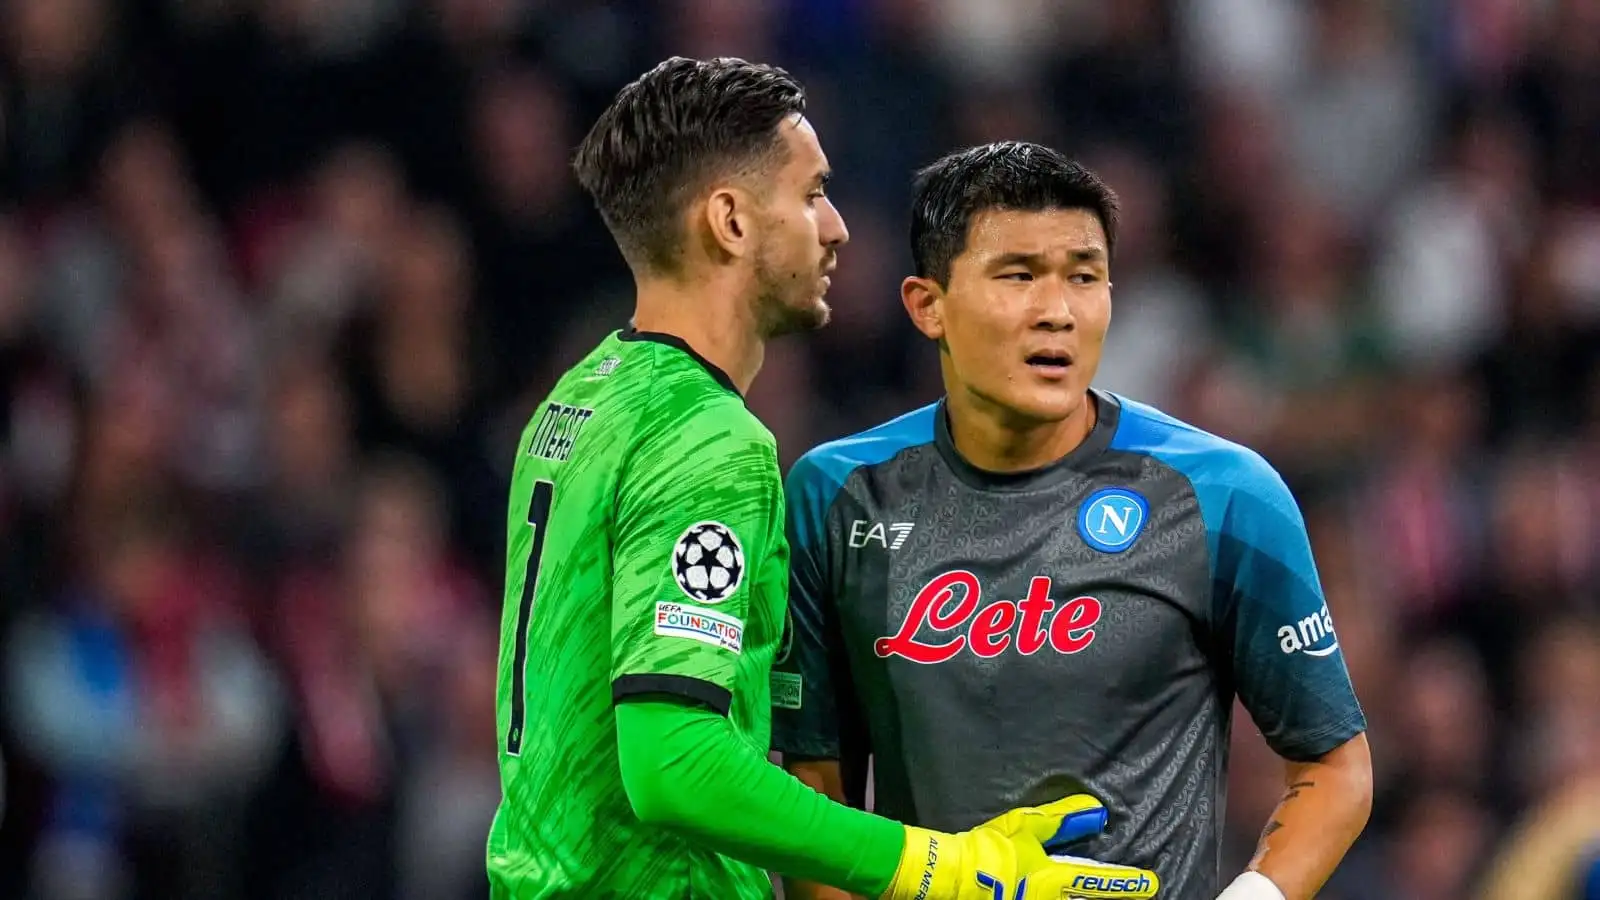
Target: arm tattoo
x: 1294, y: 789
x: 1292, y: 792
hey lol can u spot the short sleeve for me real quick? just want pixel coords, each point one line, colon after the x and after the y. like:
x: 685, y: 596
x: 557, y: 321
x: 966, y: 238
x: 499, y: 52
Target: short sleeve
x: 1288, y: 667
x: 805, y: 713
x: 699, y: 506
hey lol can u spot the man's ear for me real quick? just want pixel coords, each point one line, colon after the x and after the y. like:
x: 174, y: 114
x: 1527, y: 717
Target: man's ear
x: 924, y: 302
x: 730, y: 221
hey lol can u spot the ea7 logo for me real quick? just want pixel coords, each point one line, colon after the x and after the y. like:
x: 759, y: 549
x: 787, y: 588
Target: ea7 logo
x: 1312, y: 635
x: 891, y: 537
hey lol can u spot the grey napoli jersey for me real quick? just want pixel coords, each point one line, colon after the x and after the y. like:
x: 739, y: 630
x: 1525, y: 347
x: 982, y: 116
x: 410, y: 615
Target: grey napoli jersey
x: 1001, y: 640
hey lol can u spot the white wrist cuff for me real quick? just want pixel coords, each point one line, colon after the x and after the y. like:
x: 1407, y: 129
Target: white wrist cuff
x: 1252, y: 886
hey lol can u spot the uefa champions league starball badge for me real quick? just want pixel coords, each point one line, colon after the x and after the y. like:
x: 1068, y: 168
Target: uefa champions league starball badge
x: 708, y: 562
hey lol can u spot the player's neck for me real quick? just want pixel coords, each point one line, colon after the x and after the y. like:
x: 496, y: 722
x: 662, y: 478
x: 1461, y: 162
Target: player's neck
x: 994, y: 439
x: 712, y: 322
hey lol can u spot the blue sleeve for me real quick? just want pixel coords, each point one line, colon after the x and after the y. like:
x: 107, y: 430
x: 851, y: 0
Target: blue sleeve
x: 805, y: 713
x: 1288, y: 668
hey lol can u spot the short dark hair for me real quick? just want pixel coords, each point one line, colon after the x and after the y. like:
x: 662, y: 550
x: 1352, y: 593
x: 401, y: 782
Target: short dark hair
x: 668, y: 133
x: 1005, y: 175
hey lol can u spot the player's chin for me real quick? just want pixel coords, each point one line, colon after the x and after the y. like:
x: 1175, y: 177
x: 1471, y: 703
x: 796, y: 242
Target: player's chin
x: 803, y: 317
x: 1048, y: 402
x: 814, y: 312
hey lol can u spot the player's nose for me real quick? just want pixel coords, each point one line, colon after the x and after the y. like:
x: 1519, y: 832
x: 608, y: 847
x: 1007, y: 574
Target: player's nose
x: 832, y: 230
x: 1052, y: 306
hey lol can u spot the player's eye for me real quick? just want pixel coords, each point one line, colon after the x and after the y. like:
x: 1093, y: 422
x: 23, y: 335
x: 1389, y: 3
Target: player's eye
x: 1085, y: 278
x: 1016, y: 276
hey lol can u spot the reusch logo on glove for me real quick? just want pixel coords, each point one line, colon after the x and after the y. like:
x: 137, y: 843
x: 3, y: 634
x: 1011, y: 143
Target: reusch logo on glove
x: 950, y: 603
x: 1131, y: 884
x: 1105, y: 887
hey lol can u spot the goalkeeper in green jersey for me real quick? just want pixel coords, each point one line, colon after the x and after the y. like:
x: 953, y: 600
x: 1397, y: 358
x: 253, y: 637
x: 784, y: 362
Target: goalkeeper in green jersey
x: 647, y: 568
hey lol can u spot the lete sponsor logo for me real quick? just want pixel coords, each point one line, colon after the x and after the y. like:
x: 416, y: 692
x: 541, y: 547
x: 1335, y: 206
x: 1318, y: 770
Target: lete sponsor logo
x: 951, y: 605
x: 704, y: 625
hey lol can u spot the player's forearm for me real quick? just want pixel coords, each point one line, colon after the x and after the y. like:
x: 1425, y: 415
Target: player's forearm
x: 824, y: 777
x: 1323, y: 811
x: 686, y: 771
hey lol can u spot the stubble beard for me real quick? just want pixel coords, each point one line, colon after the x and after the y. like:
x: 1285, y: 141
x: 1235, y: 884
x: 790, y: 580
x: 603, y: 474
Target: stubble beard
x: 781, y: 306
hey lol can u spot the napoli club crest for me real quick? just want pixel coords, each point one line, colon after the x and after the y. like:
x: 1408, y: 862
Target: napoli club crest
x: 1112, y: 519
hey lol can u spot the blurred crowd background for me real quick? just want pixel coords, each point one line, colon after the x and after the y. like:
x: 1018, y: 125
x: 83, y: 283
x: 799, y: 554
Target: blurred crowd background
x: 280, y: 281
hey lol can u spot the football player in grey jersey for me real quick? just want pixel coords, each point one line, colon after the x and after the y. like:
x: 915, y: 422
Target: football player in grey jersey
x: 1033, y: 587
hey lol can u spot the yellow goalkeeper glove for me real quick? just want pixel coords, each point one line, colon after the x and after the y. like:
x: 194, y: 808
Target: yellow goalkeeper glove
x: 1005, y: 859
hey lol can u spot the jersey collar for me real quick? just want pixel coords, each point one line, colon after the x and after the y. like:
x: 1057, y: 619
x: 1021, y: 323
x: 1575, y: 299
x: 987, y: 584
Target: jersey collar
x: 672, y: 340
x: 1108, y: 413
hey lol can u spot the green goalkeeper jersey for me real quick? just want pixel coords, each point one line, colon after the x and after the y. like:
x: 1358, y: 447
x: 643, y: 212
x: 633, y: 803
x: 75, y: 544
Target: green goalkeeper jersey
x: 645, y: 555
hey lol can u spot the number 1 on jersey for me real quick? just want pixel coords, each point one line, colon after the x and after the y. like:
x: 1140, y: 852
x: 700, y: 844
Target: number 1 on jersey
x: 538, y: 518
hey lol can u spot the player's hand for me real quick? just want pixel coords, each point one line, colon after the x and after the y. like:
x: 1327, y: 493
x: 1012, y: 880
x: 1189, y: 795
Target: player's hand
x: 1002, y: 857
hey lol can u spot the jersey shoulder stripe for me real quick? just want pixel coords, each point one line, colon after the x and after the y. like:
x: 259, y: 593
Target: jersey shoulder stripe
x: 1244, y: 501
x: 816, y: 478
x: 1204, y: 458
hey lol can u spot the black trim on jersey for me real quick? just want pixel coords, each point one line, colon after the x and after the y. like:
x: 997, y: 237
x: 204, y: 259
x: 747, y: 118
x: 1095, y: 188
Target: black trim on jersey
x: 1108, y: 413
x: 715, y: 696
x: 672, y: 340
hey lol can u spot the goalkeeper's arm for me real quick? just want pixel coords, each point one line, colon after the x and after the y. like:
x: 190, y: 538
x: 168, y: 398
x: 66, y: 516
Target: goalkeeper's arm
x: 825, y: 777
x: 685, y: 769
